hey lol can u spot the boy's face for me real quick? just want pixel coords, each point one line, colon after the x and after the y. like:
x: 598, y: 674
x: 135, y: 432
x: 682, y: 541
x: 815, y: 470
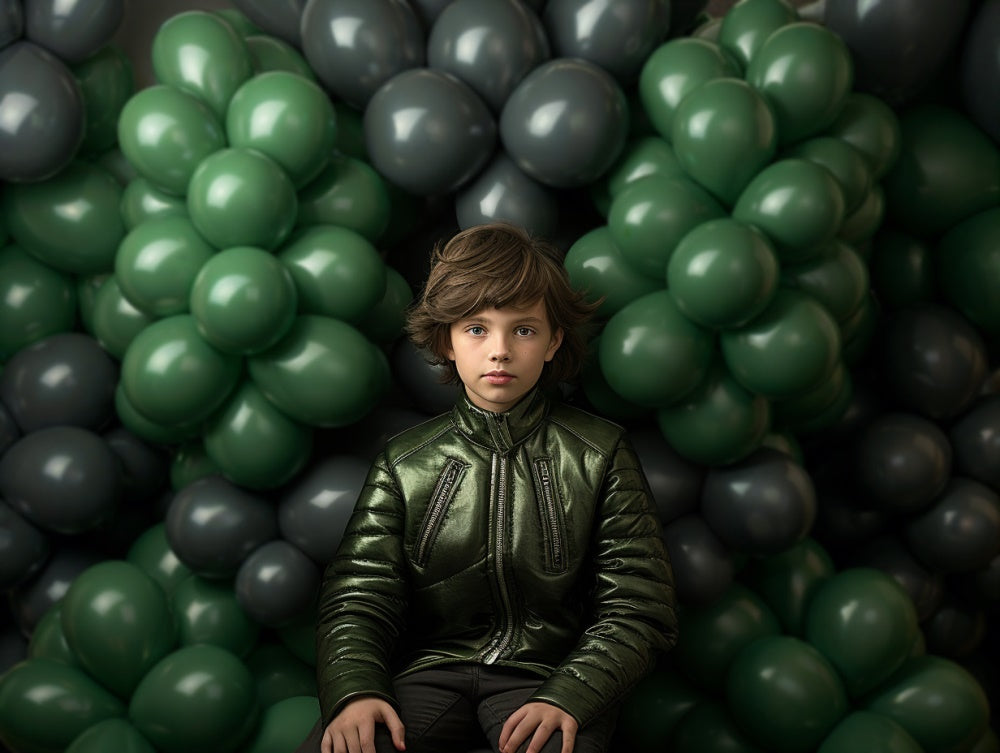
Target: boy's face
x: 499, y: 353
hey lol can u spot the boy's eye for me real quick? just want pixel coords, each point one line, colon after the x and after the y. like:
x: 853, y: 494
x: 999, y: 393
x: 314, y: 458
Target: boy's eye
x: 524, y: 331
x: 476, y: 330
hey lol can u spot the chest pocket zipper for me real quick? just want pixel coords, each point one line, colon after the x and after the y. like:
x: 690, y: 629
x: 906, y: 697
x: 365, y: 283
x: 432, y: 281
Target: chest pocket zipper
x: 444, y: 492
x: 551, y: 513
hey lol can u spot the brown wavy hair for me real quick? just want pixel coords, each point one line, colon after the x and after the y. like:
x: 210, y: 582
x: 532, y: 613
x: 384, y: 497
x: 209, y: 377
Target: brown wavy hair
x: 499, y: 265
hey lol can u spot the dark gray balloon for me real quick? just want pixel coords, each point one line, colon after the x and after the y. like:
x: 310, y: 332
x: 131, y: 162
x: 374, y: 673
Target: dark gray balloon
x: 503, y: 191
x: 566, y: 123
x: 8, y: 429
x: 279, y: 18
x: 23, y: 548
x: 72, y: 29
x: 212, y: 525
x: 981, y: 68
x: 277, y: 584
x: 41, y: 108
x: 145, y: 468
x: 617, y: 36
x: 420, y: 380
x: 703, y: 567
x: 887, y: 553
x: 66, y: 379
x: 960, y: 532
x: 489, y: 44
x: 355, y: 46
x: 313, y: 513
x: 903, y: 461
x: 764, y: 504
x: 427, y: 132
x: 11, y: 22
x: 63, y: 479
x: 674, y: 481
x: 897, y: 45
x: 34, y: 597
x: 975, y: 441
x: 955, y: 630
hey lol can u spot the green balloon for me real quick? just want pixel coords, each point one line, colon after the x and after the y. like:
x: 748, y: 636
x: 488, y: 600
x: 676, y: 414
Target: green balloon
x: 785, y: 694
x: 111, y: 734
x: 45, y: 705
x: 871, y: 126
x: 723, y: 273
x: 243, y: 300
x: 712, y: 636
x: 148, y: 430
x: 641, y: 157
x: 114, y: 321
x: 819, y: 407
x: 866, y: 730
x: 279, y: 673
x: 718, y: 423
x: 48, y: 641
x: 338, y: 272
x: 323, y: 373
x: 241, y: 197
x: 116, y: 163
x: 968, y: 263
x: 165, y: 134
x: 948, y: 170
x: 348, y: 193
x: 788, y: 349
x: 787, y: 581
x: 649, y: 217
x: 198, y: 699
x: 902, y: 269
x: 845, y: 163
x: 118, y: 622
x: 675, y: 69
x: 599, y: 394
x: 173, y: 377
x: 805, y: 71
x: 71, y: 222
x: 747, y: 25
x: 654, y: 707
x: 35, y: 300
x: 723, y: 134
x: 596, y: 265
x: 240, y: 23
x: 189, y: 463
x: 387, y: 321
x: 209, y: 612
x: 268, y: 53
x: 709, y: 728
x: 142, y: 201
x: 651, y: 354
x: 938, y: 702
x: 201, y: 54
x: 287, y: 117
x: 157, y: 263
x: 151, y: 553
x: 797, y: 203
x: 864, y: 623
x: 861, y: 224
x: 253, y: 443
x: 106, y: 82
x: 285, y: 725
x: 837, y: 277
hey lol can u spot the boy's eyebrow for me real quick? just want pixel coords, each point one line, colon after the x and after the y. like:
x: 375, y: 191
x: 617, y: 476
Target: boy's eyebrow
x: 484, y: 320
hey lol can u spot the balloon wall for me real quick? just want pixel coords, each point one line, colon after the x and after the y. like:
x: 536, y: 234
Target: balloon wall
x: 213, y: 218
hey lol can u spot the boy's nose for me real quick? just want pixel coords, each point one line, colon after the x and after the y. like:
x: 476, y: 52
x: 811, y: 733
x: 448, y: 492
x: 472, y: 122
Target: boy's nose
x: 500, y: 350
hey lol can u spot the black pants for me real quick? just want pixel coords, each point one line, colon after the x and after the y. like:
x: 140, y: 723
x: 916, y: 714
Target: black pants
x: 462, y: 708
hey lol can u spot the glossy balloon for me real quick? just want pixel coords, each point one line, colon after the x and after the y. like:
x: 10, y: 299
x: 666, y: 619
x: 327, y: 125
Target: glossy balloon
x: 208, y: 613
x: 287, y: 117
x: 489, y: 45
x: 241, y: 197
x: 872, y: 128
x: 157, y: 262
x: 724, y: 132
x: 703, y: 566
x: 72, y: 30
x: 642, y: 156
x: 566, y: 123
x: 166, y: 133
x: 111, y: 734
x: 64, y: 379
x: 243, y: 300
x: 142, y: 201
x: 106, y: 83
x: 35, y: 300
x: 33, y: 598
x: 969, y: 268
x: 355, y: 46
x: 278, y: 18
x: 269, y: 53
x: 861, y: 728
x: 420, y: 380
x: 674, y: 481
x: 277, y: 583
x: 199, y: 53
x: 48, y: 640
x: 847, y: 165
x: 279, y: 673
x: 72, y: 221
x: 386, y: 321
x: 979, y: 67
x: 747, y: 25
x: 196, y: 700
x: 836, y: 276
x: 172, y: 376
x: 43, y: 107
x: 285, y: 724
x: 348, y: 193
x: 23, y: 548
x: 975, y: 441
x: 190, y: 463
x: 151, y: 553
x: 888, y: 553
x: 115, y: 322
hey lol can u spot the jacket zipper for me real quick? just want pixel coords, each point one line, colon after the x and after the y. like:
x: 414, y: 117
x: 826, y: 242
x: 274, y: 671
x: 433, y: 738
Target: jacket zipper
x: 551, y: 514
x: 502, y: 641
x: 443, y: 493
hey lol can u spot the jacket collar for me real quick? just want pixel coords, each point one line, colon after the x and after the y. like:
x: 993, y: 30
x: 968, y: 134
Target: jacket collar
x: 501, y: 430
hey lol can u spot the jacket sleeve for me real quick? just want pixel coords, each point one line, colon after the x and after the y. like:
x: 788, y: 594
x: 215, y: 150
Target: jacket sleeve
x: 633, y: 609
x: 363, y: 599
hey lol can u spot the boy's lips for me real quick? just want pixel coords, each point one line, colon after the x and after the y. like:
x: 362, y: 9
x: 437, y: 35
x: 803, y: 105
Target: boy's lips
x: 498, y: 377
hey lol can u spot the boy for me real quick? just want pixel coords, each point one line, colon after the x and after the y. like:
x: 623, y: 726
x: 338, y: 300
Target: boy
x: 502, y: 573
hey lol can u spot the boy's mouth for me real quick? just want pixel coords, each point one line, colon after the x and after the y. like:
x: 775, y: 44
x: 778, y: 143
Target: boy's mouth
x: 498, y: 377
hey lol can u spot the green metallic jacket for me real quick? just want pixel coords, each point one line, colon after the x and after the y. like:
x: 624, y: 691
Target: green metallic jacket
x: 525, y: 538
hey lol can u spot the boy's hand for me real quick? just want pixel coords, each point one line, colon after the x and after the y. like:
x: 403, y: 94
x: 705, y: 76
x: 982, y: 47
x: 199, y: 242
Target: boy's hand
x: 538, y: 721
x: 353, y: 729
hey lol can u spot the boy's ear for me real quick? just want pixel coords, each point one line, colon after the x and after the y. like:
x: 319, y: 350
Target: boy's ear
x: 557, y: 338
